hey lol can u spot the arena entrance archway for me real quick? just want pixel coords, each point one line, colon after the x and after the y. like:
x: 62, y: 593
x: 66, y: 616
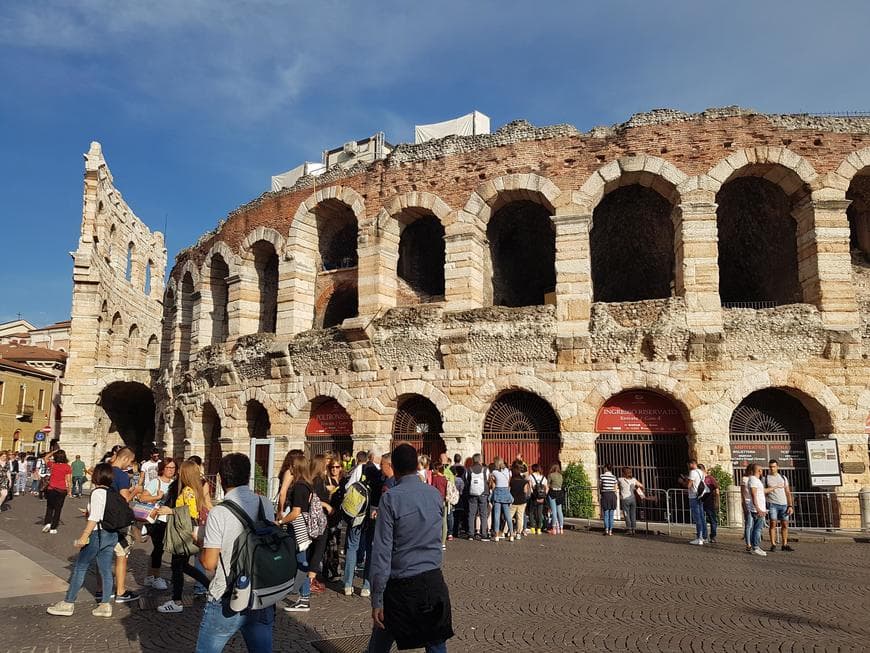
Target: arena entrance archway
x: 130, y: 409
x: 262, y: 445
x: 772, y: 424
x: 524, y: 423
x: 645, y: 431
x: 329, y: 428
x: 418, y: 422
x: 211, y: 433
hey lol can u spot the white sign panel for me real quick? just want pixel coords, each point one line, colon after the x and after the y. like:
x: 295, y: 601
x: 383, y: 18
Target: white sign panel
x: 823, y: 458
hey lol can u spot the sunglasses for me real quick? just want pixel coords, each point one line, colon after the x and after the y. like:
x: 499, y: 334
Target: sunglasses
x: 335, y: 467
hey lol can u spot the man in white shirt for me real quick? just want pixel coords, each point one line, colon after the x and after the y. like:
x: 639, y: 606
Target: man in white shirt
x: 222, y: 529
x: 779, y: 504
x: 756, y: 506
x: 148, y: 468
x: 694, y: 482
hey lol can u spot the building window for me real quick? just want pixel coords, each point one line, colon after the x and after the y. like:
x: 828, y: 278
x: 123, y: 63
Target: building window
x: 42, y: 399
x: 22, y: 394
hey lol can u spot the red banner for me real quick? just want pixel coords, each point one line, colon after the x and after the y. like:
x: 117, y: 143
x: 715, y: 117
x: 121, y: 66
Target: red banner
x: 329, y: 419
x: 639, y: 411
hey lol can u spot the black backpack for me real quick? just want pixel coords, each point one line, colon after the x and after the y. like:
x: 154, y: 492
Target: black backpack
x: 117, y: 515
x: 539, y: 492
x: 703, y: 490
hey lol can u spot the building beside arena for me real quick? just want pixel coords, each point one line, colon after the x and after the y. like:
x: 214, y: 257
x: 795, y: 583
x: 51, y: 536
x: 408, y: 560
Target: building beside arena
x: 678, y: 285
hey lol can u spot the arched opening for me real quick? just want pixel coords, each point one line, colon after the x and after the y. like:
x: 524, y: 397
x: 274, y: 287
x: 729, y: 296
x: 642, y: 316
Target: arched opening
x: 645, y: 431
x: 170, y: 318
x: 218, y: 273
x: 418, y: 422
x: 772, y: 424
x: 134, y: 347
x: 858, y: 213
x: 129, y: 272
x: 522, y: 246
x: 336, y: 235
x: 266, y: 266
x: 420, y: 268
x: 152, y: 353
x: 632, y: 246
x: 130, y: 409
x: 329, y: 428
x: 179, y: 435
x: 758, y: 258
x: 117, y: 341
x: 185, y: 324
x: 342, y: 304
x: 520, y: 422
x: 147, y: 287
x: 259, y: 427
x: 110, y: 249
x: 211, y: 433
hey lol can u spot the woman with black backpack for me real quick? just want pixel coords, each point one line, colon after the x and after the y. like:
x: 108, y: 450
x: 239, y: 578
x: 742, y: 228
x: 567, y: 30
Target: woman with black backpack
x: 539, y: 496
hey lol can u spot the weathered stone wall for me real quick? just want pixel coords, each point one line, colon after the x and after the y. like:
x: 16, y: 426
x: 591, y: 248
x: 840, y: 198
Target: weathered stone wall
x: 461, y: 353
x: 117, y: 308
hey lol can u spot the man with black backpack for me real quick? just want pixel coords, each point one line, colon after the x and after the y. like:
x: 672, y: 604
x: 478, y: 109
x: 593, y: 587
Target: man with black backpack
x: 227, y: 533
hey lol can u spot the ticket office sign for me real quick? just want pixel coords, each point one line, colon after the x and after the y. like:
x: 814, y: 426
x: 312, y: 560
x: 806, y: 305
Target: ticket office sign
x: 823, y: 459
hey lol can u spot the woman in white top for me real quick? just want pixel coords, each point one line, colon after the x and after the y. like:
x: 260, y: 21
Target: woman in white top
x: 607, y: 489
x: 539, y: 486
x: 499, y: 481
x: 628, y: 486
x: 154, y: 492
x: 94, y: 544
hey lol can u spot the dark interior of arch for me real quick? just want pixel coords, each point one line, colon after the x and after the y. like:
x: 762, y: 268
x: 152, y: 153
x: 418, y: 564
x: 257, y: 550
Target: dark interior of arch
x: 130, y: 407
x: 186, y: 317
x: 632, y: 246
x: 169, y: 318
x: 771, y: 411
x: 522, y: 246
x: 219, y: 271
x: 859, y: 215
x: 757, y: 243
x: 421, y: 256
x: 179, y: 434
x: 257, y: 417
x: 336, y: 235
x: 211, y: 431
x: 342, y: 304
x: 266, y: 265
x: 416, y: 416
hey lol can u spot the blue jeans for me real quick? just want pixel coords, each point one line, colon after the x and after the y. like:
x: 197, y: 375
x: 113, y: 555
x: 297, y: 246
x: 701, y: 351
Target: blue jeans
x: 713, y: 518
x: 101, y: 546
x: 757, y: 527
x: 199, y: 588
x: 499, y: 509
x: 557, y: 518
x: 381, y: 642
x: 356, y: 536
x: 697, y: 509
x: 303, y: 582
x: 77, y: 483
x: 219, y: 624
x: 608, y: 520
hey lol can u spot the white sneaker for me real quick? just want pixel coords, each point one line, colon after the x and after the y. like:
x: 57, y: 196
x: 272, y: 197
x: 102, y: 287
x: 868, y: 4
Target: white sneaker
x: 170, y: 606
x: 348, y: 591
x: 61, y: 609
x: 759, y: 551
x: 53, y: 531
x: 156, y: 582
x: 697, y: 541
x: 46, y: 528
x: 365, y: 592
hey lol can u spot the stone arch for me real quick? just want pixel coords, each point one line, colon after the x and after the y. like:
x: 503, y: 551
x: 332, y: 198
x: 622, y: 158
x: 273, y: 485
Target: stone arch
x: 851, y: 182
x: 305, y: 279
x: 493, y: 194
x: 303, y: 399
x: 214, y: 325
x: 779, y: 165
x: 237, y: 409
x: 232, y: 259
x: 643, y: 169
x: 216, y: 403
x: 258, y: 234
x: 493, y: 389
x: 188, y: 266
x: 385, y: 404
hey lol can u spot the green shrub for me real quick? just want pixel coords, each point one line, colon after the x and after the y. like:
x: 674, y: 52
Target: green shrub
x: 724, y: 479
x: 577, y: 484
x: 261, y: 482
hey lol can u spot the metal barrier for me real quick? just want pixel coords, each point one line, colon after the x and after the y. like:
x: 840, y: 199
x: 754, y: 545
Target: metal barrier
x: 826, y: 511
x: 653, y: 508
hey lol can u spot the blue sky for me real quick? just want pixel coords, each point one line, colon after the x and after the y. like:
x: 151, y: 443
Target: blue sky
x: 197, y: 103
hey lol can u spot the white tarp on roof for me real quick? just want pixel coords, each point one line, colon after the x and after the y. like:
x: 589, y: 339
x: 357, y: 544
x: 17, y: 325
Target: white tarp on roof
x: 287, y: 179
x: 468, y: 125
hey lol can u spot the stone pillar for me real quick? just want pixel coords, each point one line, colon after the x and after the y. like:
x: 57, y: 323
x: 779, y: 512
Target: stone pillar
x: 864, y: 501
x: 203, y: 316
x: 463, y: 443
x: 376, y: 275
x: 824, y: 263
x: 296, y: 295
x: 573, y: 274
x: 464, y: 278
x: 734, y: 506
x: 243, y: 305
x: 196, y: 313
x: 696, y: 262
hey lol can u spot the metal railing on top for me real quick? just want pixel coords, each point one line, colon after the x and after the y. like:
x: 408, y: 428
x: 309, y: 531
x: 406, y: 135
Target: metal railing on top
x: 753, y: 305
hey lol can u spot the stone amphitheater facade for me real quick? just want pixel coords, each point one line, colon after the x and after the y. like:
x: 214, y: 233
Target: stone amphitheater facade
x: 517, y: 282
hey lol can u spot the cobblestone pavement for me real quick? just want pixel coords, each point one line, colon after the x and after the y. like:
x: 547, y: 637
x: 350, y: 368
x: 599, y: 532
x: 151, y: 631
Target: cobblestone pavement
x: 579, y: 591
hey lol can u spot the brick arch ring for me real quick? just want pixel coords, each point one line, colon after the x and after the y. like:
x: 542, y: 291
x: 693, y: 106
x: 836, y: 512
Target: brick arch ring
x: 732, y: 165
x: 479, y: 207
x: 650, y: 171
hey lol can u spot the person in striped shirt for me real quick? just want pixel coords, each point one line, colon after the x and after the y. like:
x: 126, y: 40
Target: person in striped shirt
x: 607, y: 487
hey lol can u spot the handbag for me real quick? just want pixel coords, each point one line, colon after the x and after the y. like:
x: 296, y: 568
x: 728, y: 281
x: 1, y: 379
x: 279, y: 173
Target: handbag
x: 179, y: 533
x: 300, y: 531
x: 142, y: 510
